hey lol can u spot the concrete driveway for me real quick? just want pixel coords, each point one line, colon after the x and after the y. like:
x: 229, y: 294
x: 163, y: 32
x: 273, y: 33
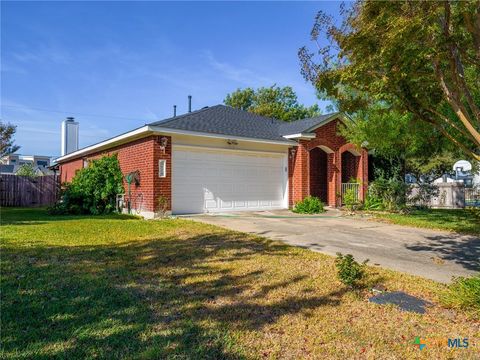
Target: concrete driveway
x: 432, y: 254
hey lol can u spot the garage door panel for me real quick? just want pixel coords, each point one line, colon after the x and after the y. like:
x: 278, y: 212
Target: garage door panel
x: 210, y: 181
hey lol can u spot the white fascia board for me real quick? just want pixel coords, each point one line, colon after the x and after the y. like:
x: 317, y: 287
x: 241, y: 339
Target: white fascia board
x: 159, y: 129
x: 117, y: 140
x: 300, y: 136
x: 147, y: 130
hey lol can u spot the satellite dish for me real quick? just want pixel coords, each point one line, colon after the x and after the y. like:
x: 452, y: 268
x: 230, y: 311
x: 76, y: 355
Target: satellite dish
x: 463, y: 165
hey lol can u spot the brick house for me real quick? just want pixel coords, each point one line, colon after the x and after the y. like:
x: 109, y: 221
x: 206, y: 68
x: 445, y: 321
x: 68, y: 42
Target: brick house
x: 221, y: 159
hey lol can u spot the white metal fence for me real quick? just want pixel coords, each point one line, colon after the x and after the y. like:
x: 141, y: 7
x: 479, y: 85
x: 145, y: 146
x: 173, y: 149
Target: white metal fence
x: 354, y: 187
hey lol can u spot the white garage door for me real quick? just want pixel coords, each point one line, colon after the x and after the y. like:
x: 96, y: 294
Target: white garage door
x: 219, y: 181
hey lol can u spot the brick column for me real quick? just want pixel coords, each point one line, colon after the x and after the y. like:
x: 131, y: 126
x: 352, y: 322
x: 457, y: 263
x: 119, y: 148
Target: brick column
x: 331, y: 179
x: 299, y: 175
x: 362, y: 173
x: 338, y: 178
x: 162, y: 186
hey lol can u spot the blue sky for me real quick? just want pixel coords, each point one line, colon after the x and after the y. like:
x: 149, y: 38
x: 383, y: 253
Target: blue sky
x: 117, y: 65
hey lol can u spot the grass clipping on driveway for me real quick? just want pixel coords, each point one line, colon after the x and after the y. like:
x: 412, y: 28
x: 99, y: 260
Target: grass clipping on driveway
x: 114, y: 287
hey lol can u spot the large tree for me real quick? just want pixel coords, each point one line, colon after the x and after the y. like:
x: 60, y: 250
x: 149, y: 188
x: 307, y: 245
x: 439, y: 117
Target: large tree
x: 7, y: 145
x: 276, y: 102
x: 399, y: 141
x: 420, y: 58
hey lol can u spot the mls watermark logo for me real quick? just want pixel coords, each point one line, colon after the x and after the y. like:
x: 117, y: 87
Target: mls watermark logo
x: 457, y: 343
x: 418, y: 342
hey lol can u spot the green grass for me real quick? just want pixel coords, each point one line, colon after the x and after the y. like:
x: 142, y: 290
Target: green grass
x: 458, y: 220
x: 76, y: 287
x: 464, y: 293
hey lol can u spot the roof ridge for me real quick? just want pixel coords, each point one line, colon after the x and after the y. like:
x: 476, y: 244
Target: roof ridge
x: 253, y: 114
x: 172, y: 118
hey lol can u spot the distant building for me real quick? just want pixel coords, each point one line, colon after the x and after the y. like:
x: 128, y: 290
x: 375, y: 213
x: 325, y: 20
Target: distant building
x: 11, y: 163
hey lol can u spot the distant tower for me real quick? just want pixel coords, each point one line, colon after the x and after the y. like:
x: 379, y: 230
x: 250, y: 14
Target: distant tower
x: 69, y: 136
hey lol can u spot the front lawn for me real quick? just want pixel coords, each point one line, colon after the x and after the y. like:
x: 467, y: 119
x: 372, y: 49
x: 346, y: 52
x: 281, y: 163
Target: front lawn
x: 119, y: 287
x: 458, y: 220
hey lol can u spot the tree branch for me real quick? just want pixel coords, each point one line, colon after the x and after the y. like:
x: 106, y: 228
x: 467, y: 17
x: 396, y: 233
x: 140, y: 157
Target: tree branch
x: 457, y: 73
x: 413, y: 109
x: 472, y: 23
x: 451, y: 123
x: 455, y: 103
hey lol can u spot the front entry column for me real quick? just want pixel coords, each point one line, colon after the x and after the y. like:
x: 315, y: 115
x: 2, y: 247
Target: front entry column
x: 333, y: 178
x: 362, y: 174
x: 299, y: 175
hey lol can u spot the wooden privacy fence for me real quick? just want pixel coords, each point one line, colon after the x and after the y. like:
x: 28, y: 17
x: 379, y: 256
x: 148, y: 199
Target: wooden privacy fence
x: 23, y: 191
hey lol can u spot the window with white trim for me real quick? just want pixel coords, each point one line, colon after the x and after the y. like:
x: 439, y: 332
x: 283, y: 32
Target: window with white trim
x: 162, y: 168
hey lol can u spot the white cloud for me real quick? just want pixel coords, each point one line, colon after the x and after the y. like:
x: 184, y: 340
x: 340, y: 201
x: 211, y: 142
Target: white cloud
x: 38, y: 132
x: 43, y: 53
x: 239, y: 74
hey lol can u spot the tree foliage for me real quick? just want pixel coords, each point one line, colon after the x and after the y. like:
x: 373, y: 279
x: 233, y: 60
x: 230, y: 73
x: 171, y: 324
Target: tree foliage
x: 7, y: 145
x: 93, y: 190
x: 420, y: 58
x: 26, y: 170
x: 401, y: 139
x: 276, y: 102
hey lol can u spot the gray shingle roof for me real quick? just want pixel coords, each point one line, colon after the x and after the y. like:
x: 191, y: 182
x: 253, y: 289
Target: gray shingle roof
x: 7, y: 169
x: 304, y: 125
x: 225, y: 120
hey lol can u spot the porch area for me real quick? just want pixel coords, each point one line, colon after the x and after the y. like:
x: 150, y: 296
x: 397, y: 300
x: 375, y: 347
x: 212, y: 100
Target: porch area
x: 328, y: 172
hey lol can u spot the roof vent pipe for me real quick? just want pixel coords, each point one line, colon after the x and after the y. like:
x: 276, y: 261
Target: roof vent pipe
x: 189, y: 103
x: 174, y: 110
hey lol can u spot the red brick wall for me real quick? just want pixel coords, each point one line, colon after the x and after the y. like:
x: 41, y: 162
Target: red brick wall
x: 142, y: 155
x: 303, y: 183
x: 69, y: 169
x: 298, y: 171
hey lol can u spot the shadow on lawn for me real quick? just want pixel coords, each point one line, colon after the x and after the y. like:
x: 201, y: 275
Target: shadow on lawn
x: 148, y: 299
x: 465, y: 252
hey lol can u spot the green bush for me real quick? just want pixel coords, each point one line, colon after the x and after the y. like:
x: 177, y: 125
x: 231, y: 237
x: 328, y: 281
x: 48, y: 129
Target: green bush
x: 350, y: 199
x: 349, y: 272
x: 392, y: 191
x: 464, y: 293
x: 93, y: 190
x: 372, y: 202
x: 309, y: 205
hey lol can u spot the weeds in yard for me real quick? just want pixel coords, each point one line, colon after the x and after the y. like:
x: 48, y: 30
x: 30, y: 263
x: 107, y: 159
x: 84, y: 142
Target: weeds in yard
x: 464, y: 293
x: 349, y: 271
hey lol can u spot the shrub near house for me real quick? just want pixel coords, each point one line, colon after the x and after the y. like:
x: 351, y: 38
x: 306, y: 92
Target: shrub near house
x: 93, y: 190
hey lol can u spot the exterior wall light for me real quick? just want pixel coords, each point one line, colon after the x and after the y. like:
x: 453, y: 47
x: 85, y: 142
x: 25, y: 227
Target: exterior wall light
x: 163, y: 143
